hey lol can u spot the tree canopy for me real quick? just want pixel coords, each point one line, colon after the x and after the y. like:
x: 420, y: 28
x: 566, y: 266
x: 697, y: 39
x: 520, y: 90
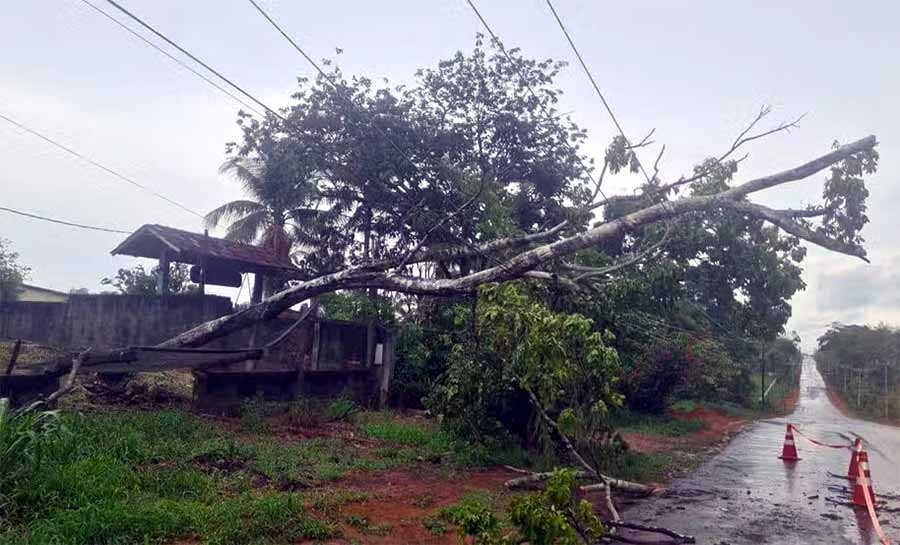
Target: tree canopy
x: 12, y: 273
x: 139, y: 281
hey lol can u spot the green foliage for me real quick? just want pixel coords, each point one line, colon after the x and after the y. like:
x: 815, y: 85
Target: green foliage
x: 523, y: 345
x: 553, y: 516
x: 420, y: 359
x: 131, y: 477
x: 403, y: 433
x: 24, y: 438
x: 642, y: 467
x: 686, y: 367
x: 137, y: 281
x: 351, y: 306
x: 474, y: 517
x: 630, y: 421
x: 466, y: 126
x: 12, y: 273
x: 859, y: 362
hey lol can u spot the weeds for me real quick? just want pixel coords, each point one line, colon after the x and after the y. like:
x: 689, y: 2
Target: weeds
x: 639, y: 466
x: 25, y: 436
x: 655, y: 424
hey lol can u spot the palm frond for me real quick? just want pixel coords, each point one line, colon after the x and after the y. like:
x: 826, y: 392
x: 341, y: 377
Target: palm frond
x: 250, y: 172
x: 230, y: 212
x: 248, y: 228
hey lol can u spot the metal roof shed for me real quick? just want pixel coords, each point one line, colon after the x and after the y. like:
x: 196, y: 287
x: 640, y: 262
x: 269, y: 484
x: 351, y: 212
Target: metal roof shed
x: 218, y: 260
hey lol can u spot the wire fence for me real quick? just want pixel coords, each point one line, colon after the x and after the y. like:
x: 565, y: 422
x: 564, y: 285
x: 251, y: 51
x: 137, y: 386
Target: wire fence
x: 872, y: 388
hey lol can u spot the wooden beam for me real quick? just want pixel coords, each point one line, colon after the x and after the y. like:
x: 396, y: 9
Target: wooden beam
x: 162, y: 285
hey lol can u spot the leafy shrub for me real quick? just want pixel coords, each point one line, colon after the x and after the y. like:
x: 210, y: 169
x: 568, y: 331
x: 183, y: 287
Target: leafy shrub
x: 524, y: 349
x: 686, y: 367
x: 553, y: 516
x: 421, y: 358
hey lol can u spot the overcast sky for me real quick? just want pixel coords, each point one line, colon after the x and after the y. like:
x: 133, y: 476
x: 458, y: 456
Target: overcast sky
x: 696, y: 71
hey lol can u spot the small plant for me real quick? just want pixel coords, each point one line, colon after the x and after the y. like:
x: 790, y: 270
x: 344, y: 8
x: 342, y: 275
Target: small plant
x: 475, y: 518
x: 253, y: 415
x: 358, y: 522
x: 424, y: 500
x: 363, y: 525
x: 341, y: 409
x: 435, y: 525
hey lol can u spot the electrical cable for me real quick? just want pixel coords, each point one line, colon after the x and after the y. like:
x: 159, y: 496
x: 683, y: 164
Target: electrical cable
x: 194, y: 58
x: 98, y: 165
x: 62, y: 222
x: 171, y: 57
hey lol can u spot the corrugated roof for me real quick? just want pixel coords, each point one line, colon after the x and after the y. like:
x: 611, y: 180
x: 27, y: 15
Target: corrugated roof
x: 187, y: 247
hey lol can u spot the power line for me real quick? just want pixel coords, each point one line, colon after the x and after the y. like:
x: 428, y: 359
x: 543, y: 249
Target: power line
x: 327, y: 77
x: 353, y: 106
x: 170, y: 56
x: 518, y: 69
x: 62, y: 222
x: 594, y: 83
x: 194, y: 58
x: 98, y: 165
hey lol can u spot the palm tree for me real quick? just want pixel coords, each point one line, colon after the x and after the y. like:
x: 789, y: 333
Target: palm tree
x: 275, y: 213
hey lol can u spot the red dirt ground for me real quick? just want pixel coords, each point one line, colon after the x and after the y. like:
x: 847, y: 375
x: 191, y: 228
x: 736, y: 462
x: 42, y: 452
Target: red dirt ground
x: 719, y: 428
x: 790, y: 402
x: 401, y: 500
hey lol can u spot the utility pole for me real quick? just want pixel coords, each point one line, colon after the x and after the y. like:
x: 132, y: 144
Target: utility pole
x: 762, y: 380
x: 859, y: 389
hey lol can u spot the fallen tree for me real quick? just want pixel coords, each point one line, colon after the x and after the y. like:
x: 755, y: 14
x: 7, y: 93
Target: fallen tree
x: 527, y: 256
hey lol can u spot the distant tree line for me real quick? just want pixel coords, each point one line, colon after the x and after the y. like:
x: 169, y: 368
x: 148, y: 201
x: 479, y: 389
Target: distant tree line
x: 861, y: 363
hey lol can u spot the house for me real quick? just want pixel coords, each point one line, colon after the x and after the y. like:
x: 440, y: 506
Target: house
x: 37, y: 294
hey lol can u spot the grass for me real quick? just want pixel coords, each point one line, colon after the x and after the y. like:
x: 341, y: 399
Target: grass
x: 730, y: 409
x: 151, y: 477
x: 629, y: 421
x: 641, y: 467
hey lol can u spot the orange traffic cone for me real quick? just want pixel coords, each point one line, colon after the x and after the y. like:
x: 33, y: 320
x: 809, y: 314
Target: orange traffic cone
x: 853, y: 471
x: 789, y: 451
x: 863, y: 482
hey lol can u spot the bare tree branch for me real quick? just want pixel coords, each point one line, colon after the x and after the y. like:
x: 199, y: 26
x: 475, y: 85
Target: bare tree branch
x: 741, y: 139
x: 588, y: 272
x: 67, y: 385
x: 792, y: 227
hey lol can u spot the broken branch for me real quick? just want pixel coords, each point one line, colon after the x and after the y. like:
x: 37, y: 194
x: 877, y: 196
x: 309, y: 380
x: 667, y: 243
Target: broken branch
x: 67, y: 385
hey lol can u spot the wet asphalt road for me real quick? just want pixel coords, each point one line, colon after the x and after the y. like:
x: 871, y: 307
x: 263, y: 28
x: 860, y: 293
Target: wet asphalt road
x: 746, y: 495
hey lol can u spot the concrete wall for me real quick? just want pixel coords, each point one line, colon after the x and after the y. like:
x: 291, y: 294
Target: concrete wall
x: 320, y: 357
x: 38, y: 294
x: 108, y: 321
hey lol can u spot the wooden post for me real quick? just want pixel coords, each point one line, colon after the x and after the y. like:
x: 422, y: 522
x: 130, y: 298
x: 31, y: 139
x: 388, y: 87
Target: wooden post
x: 256, y: 295
x: 314, y: 357
x: 13, y: 357
x: 162, y: 285
x: 203, y: 262
x: 885, y: 391
x: 370, y: 342
x: 387, y: 369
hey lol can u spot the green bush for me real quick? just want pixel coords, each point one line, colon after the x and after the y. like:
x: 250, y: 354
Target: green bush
x: 683, y: 366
